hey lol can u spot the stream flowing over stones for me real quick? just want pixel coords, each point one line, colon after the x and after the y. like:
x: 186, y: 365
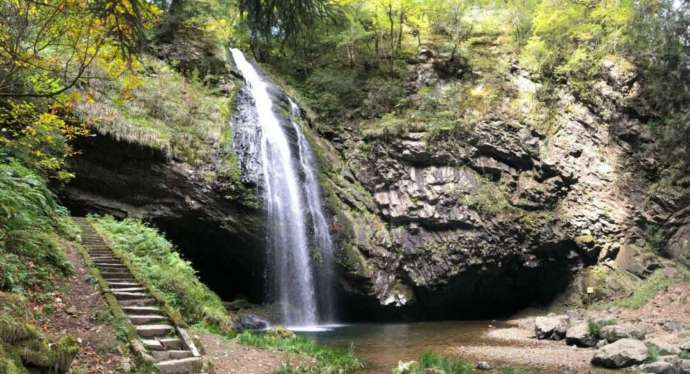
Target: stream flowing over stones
x: 275, y: 155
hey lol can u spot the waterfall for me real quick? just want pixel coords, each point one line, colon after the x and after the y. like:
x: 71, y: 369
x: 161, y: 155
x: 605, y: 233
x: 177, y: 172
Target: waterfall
x: 275, y: 154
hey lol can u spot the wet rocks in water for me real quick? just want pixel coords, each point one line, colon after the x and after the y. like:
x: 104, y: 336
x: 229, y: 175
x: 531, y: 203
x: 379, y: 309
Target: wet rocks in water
x: 250, y: 322
x: 614, y: 333
x: 659, y: 367
x: 551, y: 327
x: 579, y: 335
x: 622, y: 353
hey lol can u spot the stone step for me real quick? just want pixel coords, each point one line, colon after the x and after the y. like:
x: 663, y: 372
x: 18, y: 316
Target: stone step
x: 141, y: 310
x: 171, y: 343
x: 102, y: 254
x: 180, y: 366
x: 143, y: 319
x: 120, y: 285
x: 106, y: 272
x: 103, y: 259
x: 171, y: 355
x: 111, y: 264
x: 119, y: 278
x: 130, y: 295
x: 118, y: 267
x: 152, y: 331
x: 144, y: 301
x: 127, y: 289
x: 152, y: 344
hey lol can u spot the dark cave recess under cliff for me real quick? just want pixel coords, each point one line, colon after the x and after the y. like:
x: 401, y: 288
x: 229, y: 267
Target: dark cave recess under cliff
x: 222, y: 241
x: 474, y: 294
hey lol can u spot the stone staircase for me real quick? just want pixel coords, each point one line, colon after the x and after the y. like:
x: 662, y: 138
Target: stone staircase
x: 169, y: 347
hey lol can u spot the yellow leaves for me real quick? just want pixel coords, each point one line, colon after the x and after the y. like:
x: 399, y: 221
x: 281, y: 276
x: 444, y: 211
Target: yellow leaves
x: 40, y: 138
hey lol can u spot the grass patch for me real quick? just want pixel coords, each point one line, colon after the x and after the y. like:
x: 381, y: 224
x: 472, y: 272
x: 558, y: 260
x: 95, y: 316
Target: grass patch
x: 155, y: 261
x: 595, y: 327
x: 433, y: 362
x: 328, y: 359
x: 654, y: 353
x: 646, y: 291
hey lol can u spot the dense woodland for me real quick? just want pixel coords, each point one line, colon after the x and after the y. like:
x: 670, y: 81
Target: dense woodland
x: 159, y: 72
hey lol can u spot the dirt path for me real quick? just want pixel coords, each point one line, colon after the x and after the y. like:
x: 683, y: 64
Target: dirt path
x: 229, y: 357
x: 81, y: 311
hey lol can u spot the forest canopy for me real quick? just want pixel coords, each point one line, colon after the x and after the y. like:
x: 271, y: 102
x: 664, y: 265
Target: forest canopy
x: 340, y: 52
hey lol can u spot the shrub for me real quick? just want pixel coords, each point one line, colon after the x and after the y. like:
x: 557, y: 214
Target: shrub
x: 595, y: 327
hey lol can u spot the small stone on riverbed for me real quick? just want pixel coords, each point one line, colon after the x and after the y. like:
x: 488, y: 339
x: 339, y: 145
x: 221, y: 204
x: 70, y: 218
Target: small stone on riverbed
x: 483, y: 365
x: 659, y: 367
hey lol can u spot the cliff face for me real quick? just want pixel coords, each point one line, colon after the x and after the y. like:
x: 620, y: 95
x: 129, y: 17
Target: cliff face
x: 500, y: 214
x: 485, y: 218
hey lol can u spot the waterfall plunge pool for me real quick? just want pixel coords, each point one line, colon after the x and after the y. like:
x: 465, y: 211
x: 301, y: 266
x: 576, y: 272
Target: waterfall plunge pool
x: 502, y: 343
x: 383, y: 345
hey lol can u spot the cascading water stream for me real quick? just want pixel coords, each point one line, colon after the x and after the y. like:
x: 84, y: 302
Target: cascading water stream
x: 322, y: 235
x: 295, y: 219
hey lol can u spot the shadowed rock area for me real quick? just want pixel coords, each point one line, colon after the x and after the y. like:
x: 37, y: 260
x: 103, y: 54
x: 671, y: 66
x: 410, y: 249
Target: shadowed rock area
x: 222, y: 238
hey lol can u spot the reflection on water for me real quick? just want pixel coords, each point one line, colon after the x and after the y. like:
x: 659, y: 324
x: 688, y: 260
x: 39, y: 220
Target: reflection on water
x: 383, y: 345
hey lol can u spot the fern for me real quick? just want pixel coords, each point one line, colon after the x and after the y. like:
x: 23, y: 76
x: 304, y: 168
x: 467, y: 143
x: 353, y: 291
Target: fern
x: 30, y: 221
x: 13, y: 332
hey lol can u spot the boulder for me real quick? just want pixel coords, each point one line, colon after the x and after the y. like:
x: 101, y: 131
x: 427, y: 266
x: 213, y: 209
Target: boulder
x: 613, y: 333
x: 679, y: 245
x: 579, y: 335
x: 622, y: 353
x: 551, y: 327
x: 684, y: 367
x: 659, y: 367
x: 250, y: 322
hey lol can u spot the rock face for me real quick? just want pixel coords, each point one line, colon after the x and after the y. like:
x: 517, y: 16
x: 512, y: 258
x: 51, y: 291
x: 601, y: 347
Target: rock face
x: 221, y: 237
x: 551, y: 327
x: 501, y: 214
x: 579, y: 335
x: 622, y: 353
